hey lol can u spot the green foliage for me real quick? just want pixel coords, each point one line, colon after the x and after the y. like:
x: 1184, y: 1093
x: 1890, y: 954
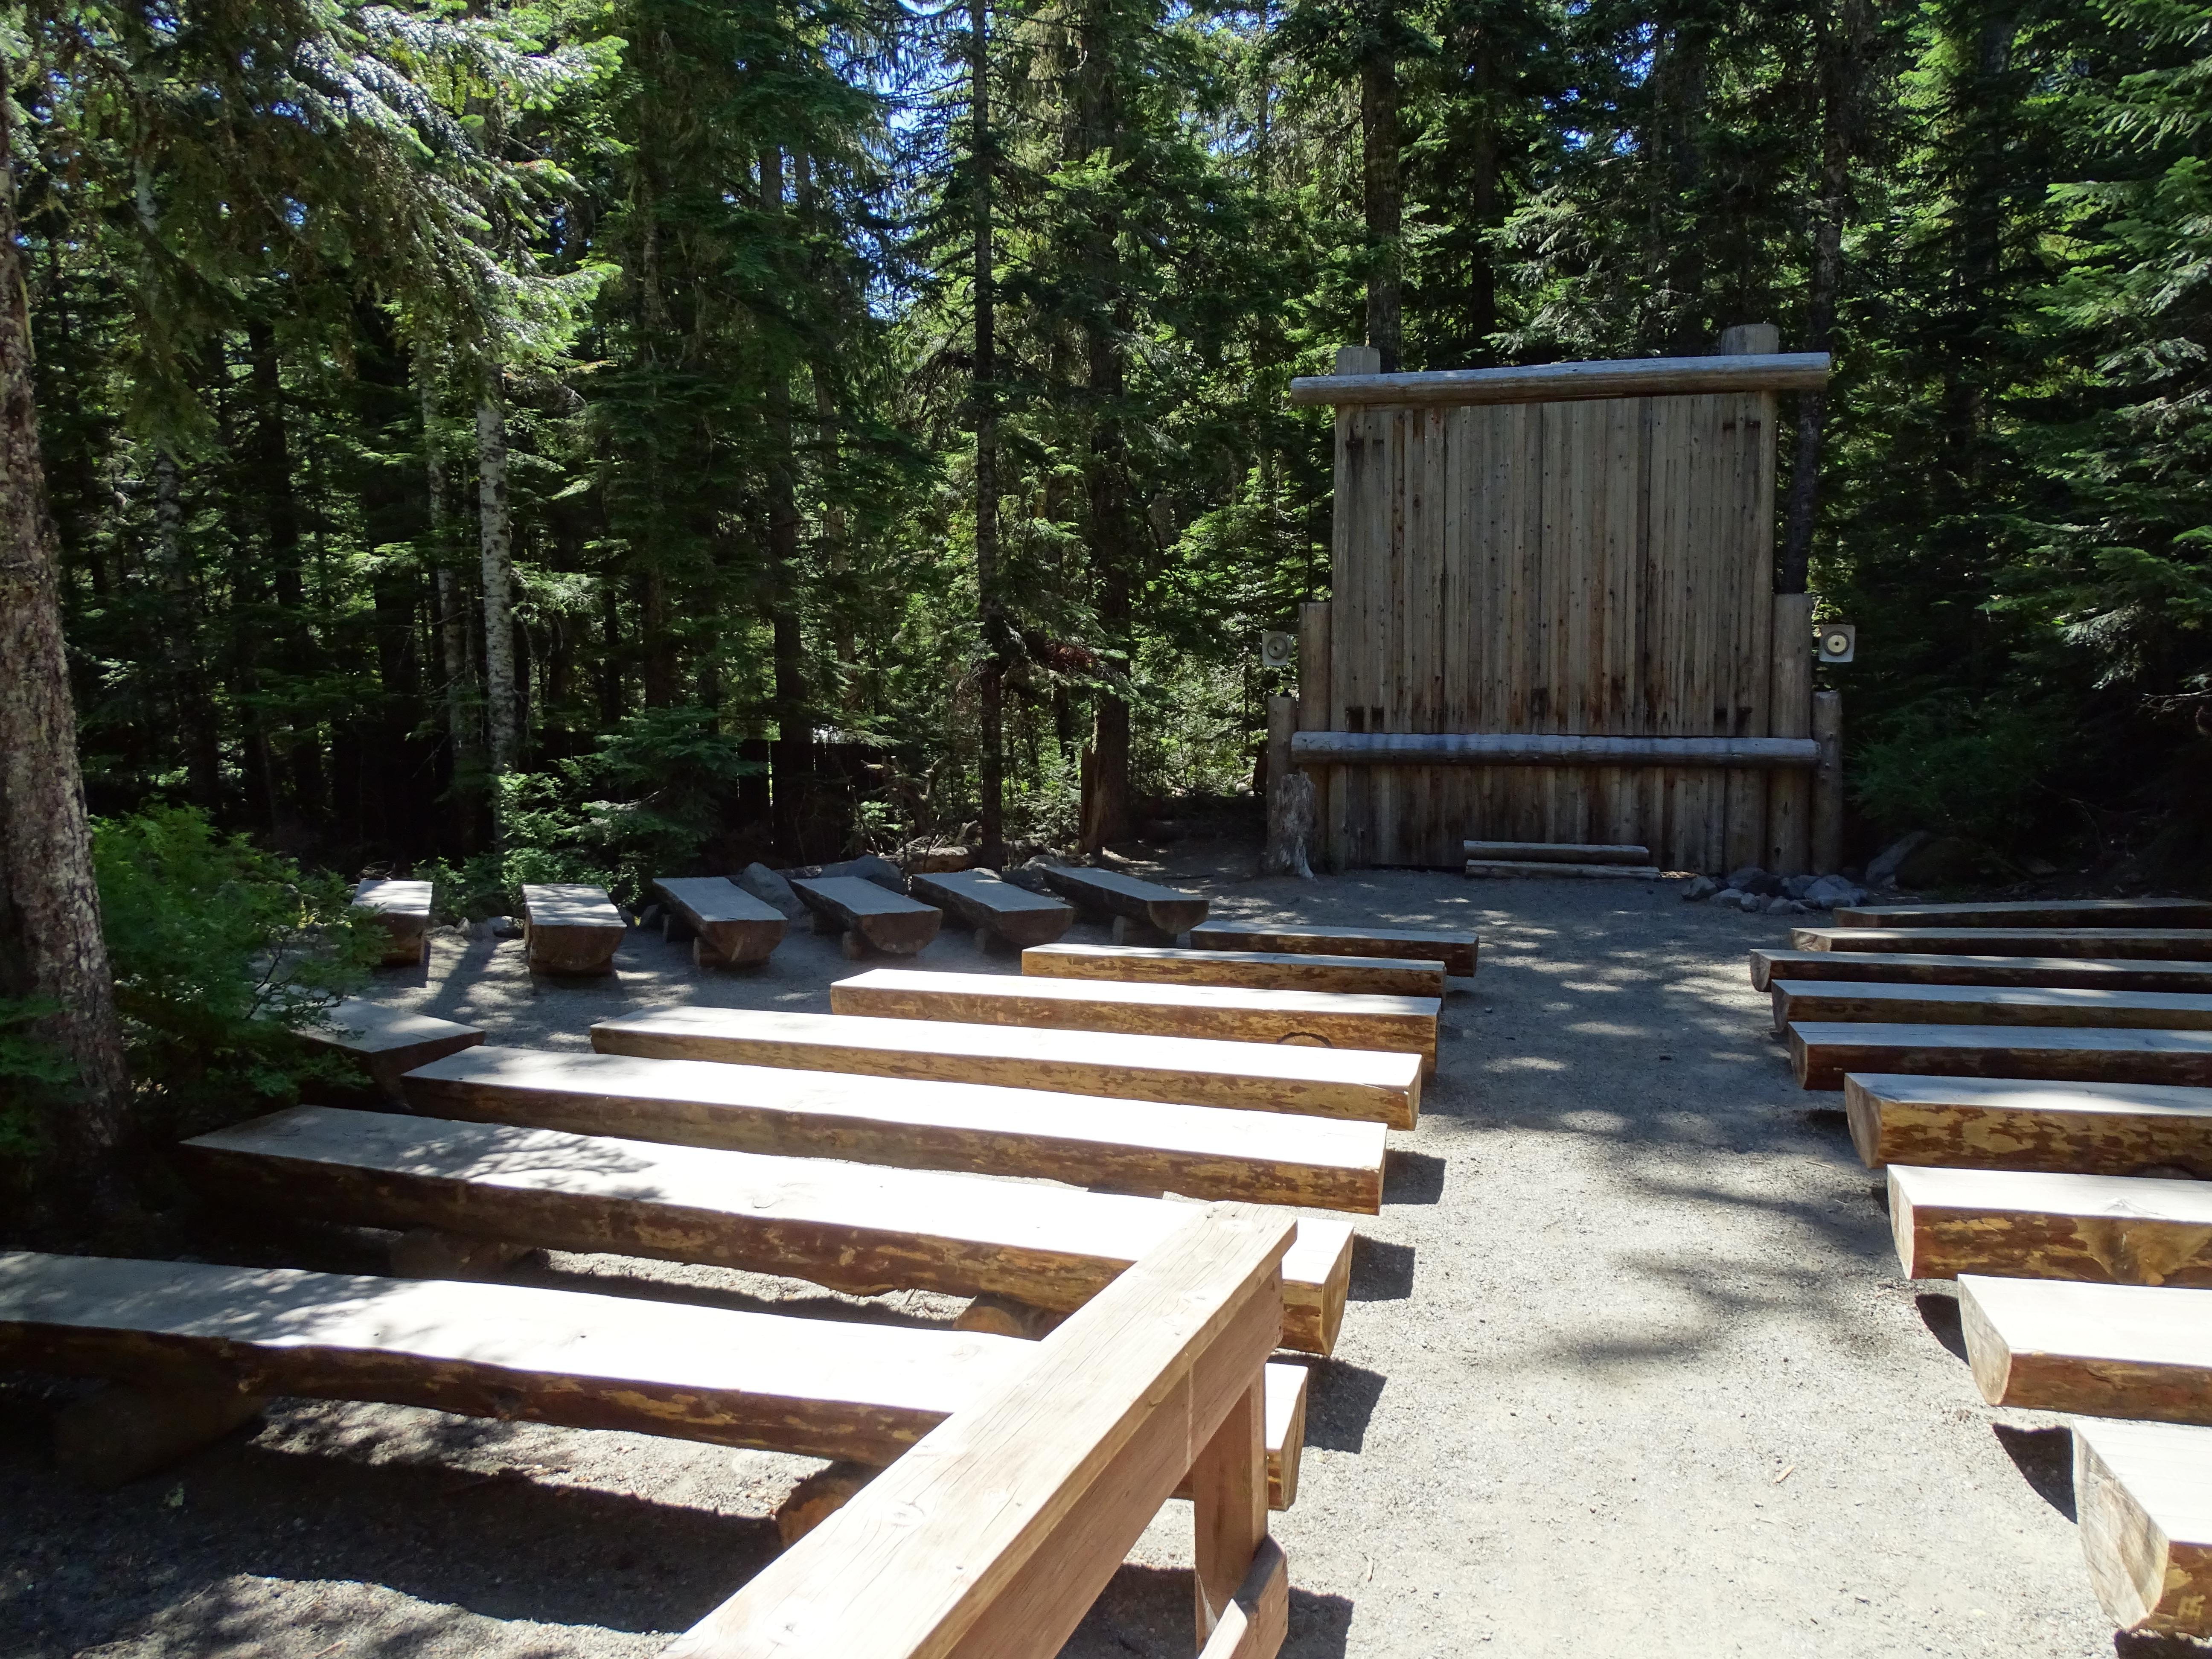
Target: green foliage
x: 34, y: 1076
x: 1952, y: 767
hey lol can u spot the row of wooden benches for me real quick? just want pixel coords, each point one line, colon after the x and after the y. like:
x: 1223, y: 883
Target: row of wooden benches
x: 2034, y: 1109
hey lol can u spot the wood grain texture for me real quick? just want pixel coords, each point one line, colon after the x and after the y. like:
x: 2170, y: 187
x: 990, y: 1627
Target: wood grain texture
x: 2161, y: 943
x: 1544, y: 851
x: 1788, y: 850
x: 2128, y: 1351
x: 1169, y: 909
x: 1316, y: 699
x: 2116, y: 1230
x: 1201, y: 1151
x: 2034, y: 913
x: 384, y: 1044
x: 1828, y: 782
x: 1504, y: 869
x: 569, y: 928
x: 1808, y: 1001
x: 982, y: 900
x: 1262, y: 970
x: 1914, y: 968
x: 878, y: 918
x: 858, y: 1228
x: 1258, y: 1619
x: 1544, y: 749
x: 1631, y: 377
x: 731, y: 927
x: 1455, y: 951
x: 403, y: 909
x: 1361, y: 1085
x: 1821, y: 1052
x: 2142, y: 1493
x: 2093, y: 1127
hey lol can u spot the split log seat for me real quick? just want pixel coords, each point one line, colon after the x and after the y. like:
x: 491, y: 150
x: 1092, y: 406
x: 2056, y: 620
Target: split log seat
x: 1557, y: 852
x: 2050, y: 1345
x: 858, y: 1227
x: 1455, y: 951
x: 2163, y: 944
x: 1358, y: 1084
x: 384, y: 1044
x: 1200, y: 1152
x: 1820, y: 1052
x: 1144, y: 912
x: 570, y: 928
x: 1506, y: 868
x: 815, y: 1388
x: 2006, y: 1123
x: 1914, y: 967
x: 1814, y: 1001
x: 728, y: 927
x: 403, y: 909
x: 1316, y: 1018
x: 996, y: 910
x: 2017, y: 1223
x: 2034, y: 913
x: 2142, y: 1492
x: 870, y: 918
x: 1258, y: 970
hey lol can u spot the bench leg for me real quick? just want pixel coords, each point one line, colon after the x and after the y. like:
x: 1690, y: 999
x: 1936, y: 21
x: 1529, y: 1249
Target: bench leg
x: 818, y: 1497
x: 676, y: 929
x: 123, y: 1432
x: 852, y: 947
x: 1228, y: 1506
x: 1128, y: 930
x: 433, y: 1253
x: 1001, y: 1315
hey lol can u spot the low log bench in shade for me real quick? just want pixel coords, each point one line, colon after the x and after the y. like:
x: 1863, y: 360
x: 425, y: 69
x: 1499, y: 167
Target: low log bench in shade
x: 2034, y: 913
x: 1323, y: 1019
x: 728, y: 927
x: 2021, y: 1224
x: 1257, y: 970
x: 1201, y: 1151
x: 858, y: 1227
x: 384, y: 1044
x: 871, y: 918
x: 1914, y: 967
x: 2050, y: 1345
x: 403, y: 909
x: 2163, y: 944
x: 1815, y: 1001
x: 1144, y: 912
x: 1455, y: 951
x: 571, y: 928
x: 1821, y: 1052
x: 1358, y: 1084
x: 1558, y: 852
x: 2008, y: 1123
x: 996, y: 910
x: 2142, y: 1493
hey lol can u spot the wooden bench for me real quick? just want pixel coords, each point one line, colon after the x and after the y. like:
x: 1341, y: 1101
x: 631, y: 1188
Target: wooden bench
x: 1358, y: 1084
x: 2142, y: 1493
x: 1201, y: 1151
x: 2050, y: 1345
x: 2164, y: 944
x: 1259, y: 970
x: 858, y: 1227
x: 2109, y: 1128
x: 998, y: 910
x: 403, y: 908
x: 2104, y: 972
x: 571, y: 928
x: 1505, y: 869
x: 1820, y: 1052
x: 1455, y: 951
x: 2125, y: 1230
x: 2033, y: 913
x: 1557, y: 852
x: 384, y: 1044
x: 1323, y: 1019
x: 1817, y: 1001
x: 728, y: 927
x: 1144, y: 912
x: 868, y: 917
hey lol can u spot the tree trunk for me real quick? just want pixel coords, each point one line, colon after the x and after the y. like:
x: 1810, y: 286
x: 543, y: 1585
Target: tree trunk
x: 990, y: 676
x: 1482, y: 200
x: 180, y: 637
x: 464, y: 722
x: 495, y: 540
x: 1384, y: 203
x: 50, y: 946
x: 792, y: 758
x: 281, y: 512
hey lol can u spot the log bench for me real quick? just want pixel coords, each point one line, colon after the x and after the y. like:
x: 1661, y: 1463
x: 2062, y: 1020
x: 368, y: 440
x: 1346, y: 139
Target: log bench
x: 999, y: 912
x: 1455, y: 951
x: 1558, y: 852
x: 2005, y: 1123
x: 570, y: 928
x: 1323, y: 1019
x: 2033, y: 913
x: 1144, y: 912
x: 2165, y: 944
x: 403, y: 909
x: 2014, y: 1223
x: 2050, y: 1345
x: 1917, y: 968
x: 1812, y: 1001
x: 1821, y: 1052
x: 1201, y: 1151
x: 1358, y: 1084
x: 2142, y: 1492
x: 728, y: 927
x: 1258, y: 970
x: 858, y: 1227
x: 384, y: 1044
x: 868, y: 918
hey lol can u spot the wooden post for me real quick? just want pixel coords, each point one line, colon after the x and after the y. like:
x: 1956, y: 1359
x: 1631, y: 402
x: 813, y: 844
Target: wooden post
x: 1290, y: 797
x: 1828, y: 782
x: 1745, y: 340
x: 1315, y: 707
x: 1228, y: 1506
x: 1790, y: 795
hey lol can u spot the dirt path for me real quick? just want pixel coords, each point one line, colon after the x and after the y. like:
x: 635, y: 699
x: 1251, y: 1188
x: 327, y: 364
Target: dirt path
x: 1629, y: 1368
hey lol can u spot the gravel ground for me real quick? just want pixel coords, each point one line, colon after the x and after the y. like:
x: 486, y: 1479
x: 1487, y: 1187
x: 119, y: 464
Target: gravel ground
x: 1629, y: 1369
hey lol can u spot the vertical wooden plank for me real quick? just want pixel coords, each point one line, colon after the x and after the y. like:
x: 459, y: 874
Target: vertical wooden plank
x: 1455, y: 784
x: 1318, y: 706
x: 1353, y: 534
x: 1229, y: 1507
x: 1666, y: 579
x: 1748, y: 587
x: 1434, y: 621
x: 1789, y: 714
x: 1828, y: 782
x: 1711, y: 507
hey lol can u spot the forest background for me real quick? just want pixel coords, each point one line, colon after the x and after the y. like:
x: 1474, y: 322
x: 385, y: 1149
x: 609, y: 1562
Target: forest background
x: 588, y: 440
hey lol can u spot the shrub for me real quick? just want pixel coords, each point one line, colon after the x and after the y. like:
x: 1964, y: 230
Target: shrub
x: 1960, y: 770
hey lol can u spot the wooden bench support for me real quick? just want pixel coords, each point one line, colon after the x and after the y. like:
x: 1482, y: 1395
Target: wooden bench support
x: 871, y: 918
x: 2034, y: 913
x: 2006, y: 1123
x: 122, y: 1432
x: 999, y: 912
x: 384, y: 1044
x: 1815, y: 1001
x: 2124, y: 1229
x: 728, y: 927
x: 1820, y: 1052
x: 1917, y: 968
x: 2162, y: 944
x: 1322, y: 1020
x: 1144, y: 912
x: 571, y: 928
x: 1201, y: 1151
x: 404, y: 909
x: 2142, y: 1492
x: 2102, y: 1350
x: 1256, y: 970
x: 1379, y: 1088
x: 1455, y: 951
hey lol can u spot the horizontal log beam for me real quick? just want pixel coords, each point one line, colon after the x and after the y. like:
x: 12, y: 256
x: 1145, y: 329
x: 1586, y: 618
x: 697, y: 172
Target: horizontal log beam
x: 1542, y: 749
x: 1546, y: 383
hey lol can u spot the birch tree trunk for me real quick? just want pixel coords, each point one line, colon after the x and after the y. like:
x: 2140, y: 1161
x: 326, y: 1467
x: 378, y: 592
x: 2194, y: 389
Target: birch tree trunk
x: 495, y: 538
